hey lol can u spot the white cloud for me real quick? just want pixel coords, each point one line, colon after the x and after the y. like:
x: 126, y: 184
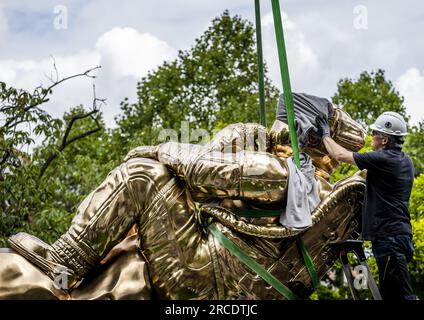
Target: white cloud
x: 411, y: 85
x: 28, y: 74
x: 303, y: 61
x: 130, y: 53
x: 3, y: 23
x: 124, y: 54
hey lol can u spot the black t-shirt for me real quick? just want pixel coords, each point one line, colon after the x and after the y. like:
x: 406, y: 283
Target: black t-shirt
x: 390, y: 175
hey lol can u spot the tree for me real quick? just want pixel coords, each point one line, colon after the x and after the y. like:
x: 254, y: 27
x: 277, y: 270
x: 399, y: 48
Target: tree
x: 371, y: 94
x: 27, y: 193
x: 73, y: 174
x: 414, y: 146
x: 368, y: 96
x: 416, y: 266
x: 211, y: 85
x: 417, y: 198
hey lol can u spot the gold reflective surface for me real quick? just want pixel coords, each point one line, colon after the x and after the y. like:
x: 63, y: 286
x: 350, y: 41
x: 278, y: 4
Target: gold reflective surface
x: 172, y: 256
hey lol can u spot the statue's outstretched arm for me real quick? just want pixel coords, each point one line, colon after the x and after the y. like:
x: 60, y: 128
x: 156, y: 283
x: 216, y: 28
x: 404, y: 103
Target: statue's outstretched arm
x: 245, y: 175
x: 233, y: 164
x: 231, y: 139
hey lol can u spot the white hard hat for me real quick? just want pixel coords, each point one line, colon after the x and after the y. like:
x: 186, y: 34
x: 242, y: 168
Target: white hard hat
x: 391, y: 123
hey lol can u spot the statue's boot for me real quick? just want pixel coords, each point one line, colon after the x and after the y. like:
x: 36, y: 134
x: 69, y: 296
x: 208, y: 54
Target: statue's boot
x: 103, y: 219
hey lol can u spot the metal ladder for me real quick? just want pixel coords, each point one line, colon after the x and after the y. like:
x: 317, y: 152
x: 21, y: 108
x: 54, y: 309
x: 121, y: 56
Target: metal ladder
x: 343, y: 248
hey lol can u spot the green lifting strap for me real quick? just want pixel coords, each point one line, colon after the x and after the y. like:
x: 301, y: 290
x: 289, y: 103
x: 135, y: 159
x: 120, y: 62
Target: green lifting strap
x: 262, y: 112
x: 252, y: 264
x: 308, y: 262
x: 288, y: 100
x: 285, y: 78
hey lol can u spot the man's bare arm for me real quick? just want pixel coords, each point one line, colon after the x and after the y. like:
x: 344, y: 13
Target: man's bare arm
x: 338, y: 152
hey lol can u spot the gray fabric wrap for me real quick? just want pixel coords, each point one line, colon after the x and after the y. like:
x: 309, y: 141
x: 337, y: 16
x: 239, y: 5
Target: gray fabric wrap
x: 306, y: 108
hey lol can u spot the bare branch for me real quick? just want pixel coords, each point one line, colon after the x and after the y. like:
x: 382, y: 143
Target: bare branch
x: 66, y: 142
x: 63, y: 146
x: 55, y: 68
x: 43, y: 99
x: 85, y: 73
x: 6, y: 107
x: 95, y: 99
x: 40, y: 96
x: 5, y: 157
x: 71, y: 123
x: 82, y: 135
x: 51, y: 72
x: 15, y: 124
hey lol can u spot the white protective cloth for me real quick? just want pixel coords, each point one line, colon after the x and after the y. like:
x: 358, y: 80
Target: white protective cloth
x: 302, y: 194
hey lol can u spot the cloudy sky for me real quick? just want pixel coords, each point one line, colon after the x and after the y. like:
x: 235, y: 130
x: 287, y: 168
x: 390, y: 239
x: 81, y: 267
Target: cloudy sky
x: 326, y: 40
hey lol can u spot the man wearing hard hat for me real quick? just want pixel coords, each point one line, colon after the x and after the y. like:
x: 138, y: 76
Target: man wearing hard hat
x: 385, y: 213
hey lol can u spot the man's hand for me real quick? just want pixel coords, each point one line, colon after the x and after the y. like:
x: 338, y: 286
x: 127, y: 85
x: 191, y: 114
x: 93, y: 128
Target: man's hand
x: 336, y: 151
x: 323, y: 127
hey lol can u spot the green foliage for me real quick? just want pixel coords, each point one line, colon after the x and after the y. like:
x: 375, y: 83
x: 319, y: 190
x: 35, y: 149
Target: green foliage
x: 416, y: 207
x: 211, y: 85
x: 38, y: 192
x: 368, y: 96
x: 414, y: 146
x: 416, y: 266
x: 19, y: 109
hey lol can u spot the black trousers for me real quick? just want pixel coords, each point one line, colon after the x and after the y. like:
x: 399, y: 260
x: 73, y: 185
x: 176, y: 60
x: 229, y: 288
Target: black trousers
x: 393, y: 255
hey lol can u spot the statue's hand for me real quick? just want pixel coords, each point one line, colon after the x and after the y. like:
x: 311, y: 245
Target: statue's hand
x: 240, y: 136
x: 282, y: 151
x: 143, y: 152
x: 279, y: 138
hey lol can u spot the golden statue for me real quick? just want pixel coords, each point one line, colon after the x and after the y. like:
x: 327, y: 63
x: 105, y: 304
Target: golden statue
x: 143, y: 233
